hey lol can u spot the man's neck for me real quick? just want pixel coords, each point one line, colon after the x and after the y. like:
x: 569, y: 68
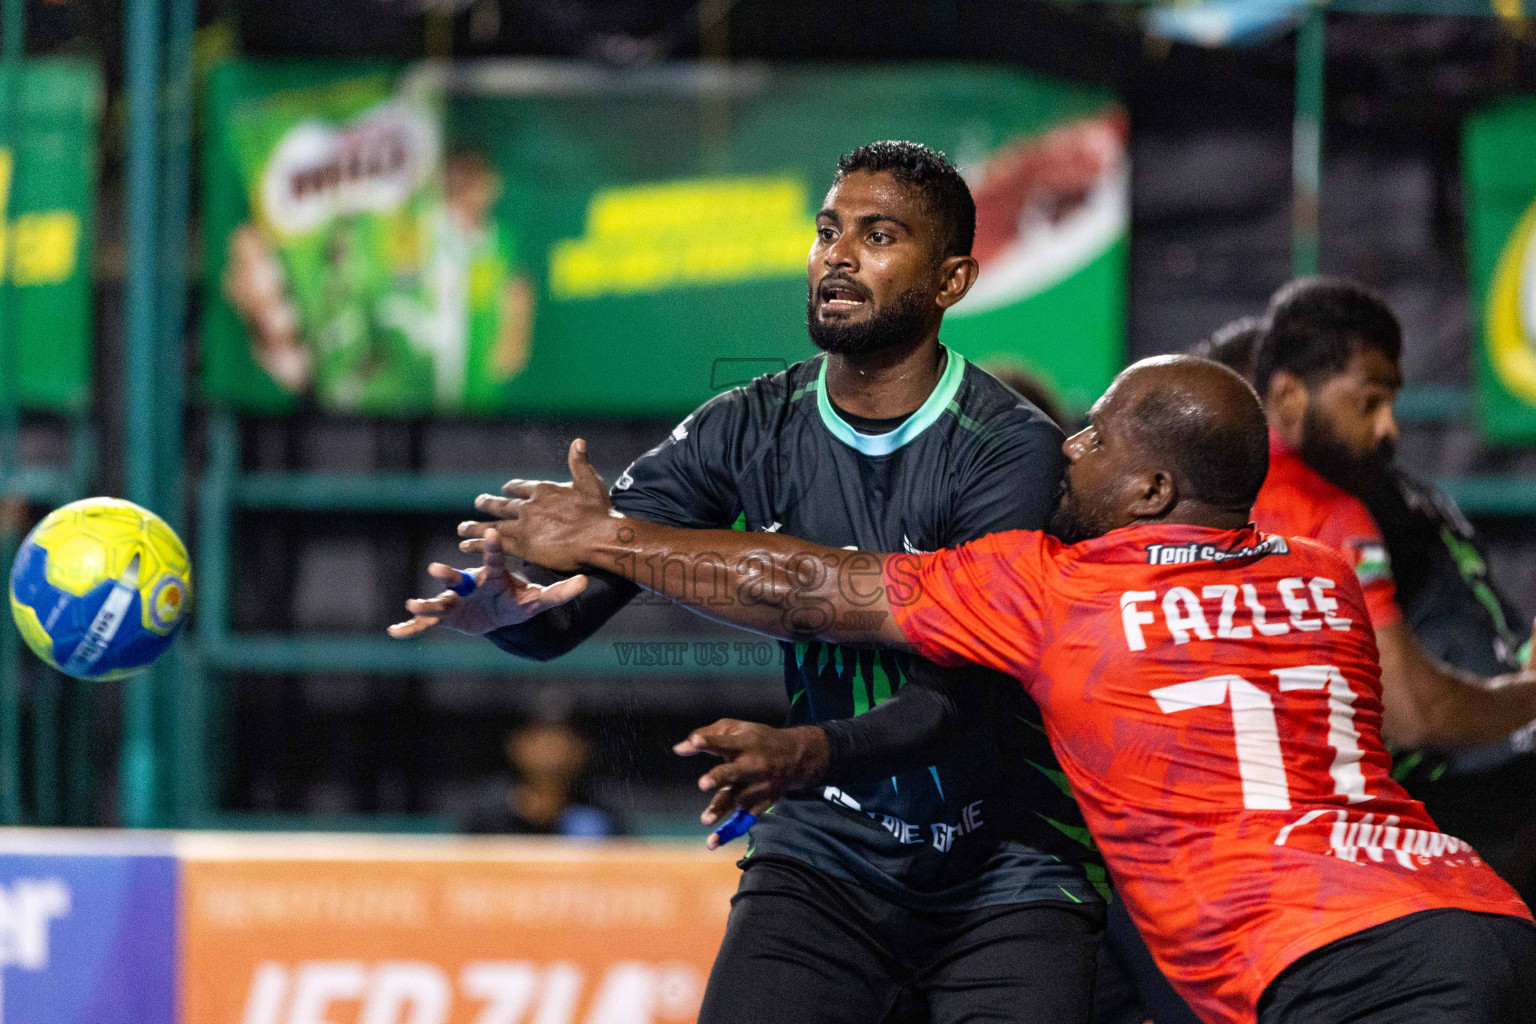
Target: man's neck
x: 1197, y: 513
x: 1288, y: 434
x: 892, y: 382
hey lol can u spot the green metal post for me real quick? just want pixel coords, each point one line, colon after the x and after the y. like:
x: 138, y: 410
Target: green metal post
x: 215, y: 509
x: 12, y: 47
x: 175, y: 680
x: 78, y: 752
x: 136, y: 781
x: 1307, y: 143
x: 10, y: 673
x: 175, y: 192
x: 215, y: 513
x: 46, y: 689
x: 80, y: 756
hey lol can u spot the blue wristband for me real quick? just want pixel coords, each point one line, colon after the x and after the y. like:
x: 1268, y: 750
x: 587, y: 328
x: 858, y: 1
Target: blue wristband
x: 735, y: 826
x: 466, y: 585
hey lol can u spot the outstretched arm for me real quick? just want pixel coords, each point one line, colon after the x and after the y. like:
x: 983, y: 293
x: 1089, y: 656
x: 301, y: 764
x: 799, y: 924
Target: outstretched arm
x: 1426, y: 703
x: 495, y: 597
x: 565, y: 627
x: 530, y: 612
x: 771, y: 584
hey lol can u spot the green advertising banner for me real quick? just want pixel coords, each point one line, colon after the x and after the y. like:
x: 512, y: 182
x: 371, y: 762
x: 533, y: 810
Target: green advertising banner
x: 1499, y: 157
x: 48, y: 195
x: 577, y: 240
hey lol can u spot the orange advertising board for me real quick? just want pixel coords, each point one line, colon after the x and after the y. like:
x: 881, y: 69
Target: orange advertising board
x: 321, y: 930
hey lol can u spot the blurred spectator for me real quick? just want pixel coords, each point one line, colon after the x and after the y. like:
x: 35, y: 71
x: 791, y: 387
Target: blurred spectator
x: 548, y: 758
x: 1037, y: 391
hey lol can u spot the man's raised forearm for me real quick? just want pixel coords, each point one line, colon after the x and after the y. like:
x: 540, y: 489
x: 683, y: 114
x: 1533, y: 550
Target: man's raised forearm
x: 1478, y: 710
x: 772, y: 584
x: 1431, y: 704
x: 779, y: 586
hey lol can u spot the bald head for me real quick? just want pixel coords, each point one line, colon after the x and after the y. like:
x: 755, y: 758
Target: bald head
x: 1175, y: 439
x: 1202, y: 420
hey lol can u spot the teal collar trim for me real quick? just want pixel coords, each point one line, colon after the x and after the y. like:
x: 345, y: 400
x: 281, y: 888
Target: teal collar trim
x: 919, y: 421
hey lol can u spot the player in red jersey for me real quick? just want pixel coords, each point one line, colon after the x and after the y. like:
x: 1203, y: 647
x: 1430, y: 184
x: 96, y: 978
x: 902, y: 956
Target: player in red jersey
x: 1455, y: 611
x: 1212, y: 693
x: 1327, y: 368
x: 1331, y: 476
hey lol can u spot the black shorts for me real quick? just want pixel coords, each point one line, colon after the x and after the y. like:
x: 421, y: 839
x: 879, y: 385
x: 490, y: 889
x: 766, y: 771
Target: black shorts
x: 1434, y: 967
x: 804, y: 947
x: 1129, y: 988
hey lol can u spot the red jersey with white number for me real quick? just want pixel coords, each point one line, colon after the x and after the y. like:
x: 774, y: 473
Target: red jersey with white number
x: 1296, y: 501
x: 1214, y: 698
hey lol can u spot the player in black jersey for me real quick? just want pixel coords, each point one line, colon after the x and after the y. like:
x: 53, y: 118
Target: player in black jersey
x: 967, y: 883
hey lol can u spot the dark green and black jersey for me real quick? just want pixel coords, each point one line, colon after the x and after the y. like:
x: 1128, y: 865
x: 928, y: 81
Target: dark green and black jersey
x: 1451, y: 603
x: 992, y: 821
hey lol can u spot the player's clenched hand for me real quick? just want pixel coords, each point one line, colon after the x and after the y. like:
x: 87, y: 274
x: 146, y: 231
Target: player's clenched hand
x: 558, y: 526
x: 760, y: 764
x: 499, y: 599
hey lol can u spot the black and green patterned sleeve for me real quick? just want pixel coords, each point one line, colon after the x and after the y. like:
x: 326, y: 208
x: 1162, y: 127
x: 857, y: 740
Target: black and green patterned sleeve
x: 684, y: 481
x: 687, y: 480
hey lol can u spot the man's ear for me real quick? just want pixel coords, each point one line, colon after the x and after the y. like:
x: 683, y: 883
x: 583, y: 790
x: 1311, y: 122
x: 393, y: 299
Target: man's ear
x: 1153, y: 495
x: 1285, y: 402
x: 956, y: 275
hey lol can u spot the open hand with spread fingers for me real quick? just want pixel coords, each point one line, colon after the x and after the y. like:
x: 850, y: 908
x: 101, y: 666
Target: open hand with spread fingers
x: 499, y: 597
x: 558, y: 526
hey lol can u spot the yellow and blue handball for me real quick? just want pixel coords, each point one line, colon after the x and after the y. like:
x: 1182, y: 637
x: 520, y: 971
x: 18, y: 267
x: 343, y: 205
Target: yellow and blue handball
x: 100, y: 588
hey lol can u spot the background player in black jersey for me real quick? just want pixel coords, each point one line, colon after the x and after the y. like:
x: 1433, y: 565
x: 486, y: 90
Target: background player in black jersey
x: 965, y: 882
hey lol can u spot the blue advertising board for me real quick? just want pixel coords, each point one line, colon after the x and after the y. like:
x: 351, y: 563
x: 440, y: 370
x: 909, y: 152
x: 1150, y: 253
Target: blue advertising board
x: 88, y: 937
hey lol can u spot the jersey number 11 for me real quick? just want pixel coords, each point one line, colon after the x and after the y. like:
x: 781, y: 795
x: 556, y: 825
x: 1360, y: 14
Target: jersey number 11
x: 1260, y: 762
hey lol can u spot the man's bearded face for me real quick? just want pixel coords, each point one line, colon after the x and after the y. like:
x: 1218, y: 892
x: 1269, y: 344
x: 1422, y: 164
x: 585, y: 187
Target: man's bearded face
x: 881, y: 328
x: 1352, y: 468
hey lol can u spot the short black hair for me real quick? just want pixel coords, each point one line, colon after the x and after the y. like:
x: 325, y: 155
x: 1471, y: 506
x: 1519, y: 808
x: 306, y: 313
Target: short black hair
x: 1221, y: 459
x: 1234, y: 344
x: 944, y: 191
x: 1317, y: 324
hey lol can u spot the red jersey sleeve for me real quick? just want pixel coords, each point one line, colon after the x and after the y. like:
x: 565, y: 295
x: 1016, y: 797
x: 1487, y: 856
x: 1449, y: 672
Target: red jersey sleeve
x: 975, y: 603
x: 1351, y: 530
